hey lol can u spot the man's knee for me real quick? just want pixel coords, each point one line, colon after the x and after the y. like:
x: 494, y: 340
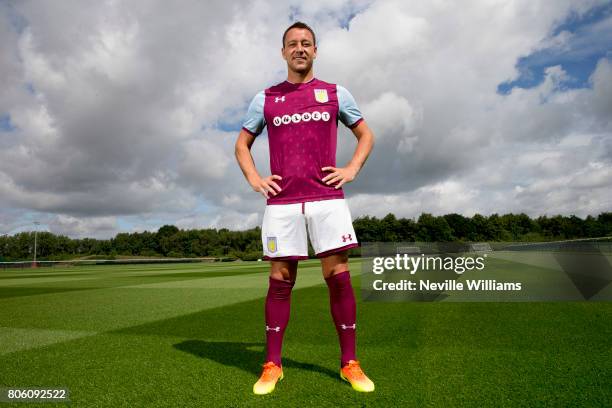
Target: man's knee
x: 281, y: 270
x: 280, y: 274
x: 336, y: 269
x: 335, y: 264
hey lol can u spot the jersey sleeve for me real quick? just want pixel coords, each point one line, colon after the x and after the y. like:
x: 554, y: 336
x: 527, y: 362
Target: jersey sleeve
x: 348, y: 112
x: 255, y: 121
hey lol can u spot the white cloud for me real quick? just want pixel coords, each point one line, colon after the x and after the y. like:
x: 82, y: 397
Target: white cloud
x: 91, y: 227
x: 122, y: 120
x: 228, y: 219
x: 203, y: 160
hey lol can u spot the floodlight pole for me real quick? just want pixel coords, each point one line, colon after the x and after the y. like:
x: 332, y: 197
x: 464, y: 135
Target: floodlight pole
x: 35, y: 233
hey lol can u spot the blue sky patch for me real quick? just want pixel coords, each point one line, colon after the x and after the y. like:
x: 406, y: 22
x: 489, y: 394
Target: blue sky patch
x: 17, y: 21
x: 30, y: 88
x: 230, y: 126
x: 576, y: 44
x: 5, y: 123
x: 343, y: 16
x: 350, y: 13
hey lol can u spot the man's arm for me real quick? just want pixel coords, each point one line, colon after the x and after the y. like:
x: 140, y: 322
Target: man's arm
x: 265, y: 186
x: 365, y: 143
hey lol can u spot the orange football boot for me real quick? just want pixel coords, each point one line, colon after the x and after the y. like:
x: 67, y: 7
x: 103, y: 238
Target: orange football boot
x: 269, y: 377
x: 353, y: 373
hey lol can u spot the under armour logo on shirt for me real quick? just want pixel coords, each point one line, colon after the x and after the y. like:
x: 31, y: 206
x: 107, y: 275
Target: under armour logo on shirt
x: 276, y: 329
x: 353, y: 326
x: 347, y: 237
x: 279, y: 98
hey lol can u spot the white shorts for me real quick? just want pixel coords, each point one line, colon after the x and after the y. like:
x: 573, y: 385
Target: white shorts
x: 330, y: 227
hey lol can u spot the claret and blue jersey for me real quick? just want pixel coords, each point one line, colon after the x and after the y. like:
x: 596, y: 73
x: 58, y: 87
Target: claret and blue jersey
x: 302, y: 121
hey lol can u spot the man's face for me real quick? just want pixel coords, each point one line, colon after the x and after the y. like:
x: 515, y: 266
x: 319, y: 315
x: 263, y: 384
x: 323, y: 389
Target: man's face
x: 299, y: 50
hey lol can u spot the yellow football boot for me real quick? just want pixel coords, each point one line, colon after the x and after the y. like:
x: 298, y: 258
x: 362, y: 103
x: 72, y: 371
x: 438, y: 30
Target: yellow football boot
x: 353, y: 373
x: 269, y: 377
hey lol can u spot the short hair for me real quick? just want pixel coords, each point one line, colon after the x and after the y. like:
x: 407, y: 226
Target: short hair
x: 299, y: 24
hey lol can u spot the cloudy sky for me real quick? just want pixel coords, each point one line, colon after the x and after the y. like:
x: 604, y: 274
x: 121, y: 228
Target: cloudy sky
x: 122, y: 115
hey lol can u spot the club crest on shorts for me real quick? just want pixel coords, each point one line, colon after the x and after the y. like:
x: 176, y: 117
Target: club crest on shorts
x: 321, y: 95
x: 271, y: 244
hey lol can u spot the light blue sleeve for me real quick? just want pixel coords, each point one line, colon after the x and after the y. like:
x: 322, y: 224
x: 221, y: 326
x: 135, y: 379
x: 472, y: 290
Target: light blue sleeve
x: 348, y: 112
x: 255, y: 121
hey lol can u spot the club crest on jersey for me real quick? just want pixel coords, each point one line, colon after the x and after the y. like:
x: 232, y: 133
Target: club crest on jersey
x: 272, y: 247
x: 321, y: 95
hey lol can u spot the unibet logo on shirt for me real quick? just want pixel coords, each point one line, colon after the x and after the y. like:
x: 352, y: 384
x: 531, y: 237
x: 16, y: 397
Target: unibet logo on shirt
x: 297, y: 118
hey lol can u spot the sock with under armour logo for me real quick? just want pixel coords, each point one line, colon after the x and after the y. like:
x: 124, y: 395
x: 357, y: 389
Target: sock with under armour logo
x: 278, y: 305
x: 343, y: 310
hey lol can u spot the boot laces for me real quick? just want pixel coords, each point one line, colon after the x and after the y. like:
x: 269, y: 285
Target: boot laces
x: 268, y: 371
x: 355, y: 370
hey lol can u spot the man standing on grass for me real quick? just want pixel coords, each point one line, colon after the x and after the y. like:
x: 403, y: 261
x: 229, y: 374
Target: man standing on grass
x: 304, y: 189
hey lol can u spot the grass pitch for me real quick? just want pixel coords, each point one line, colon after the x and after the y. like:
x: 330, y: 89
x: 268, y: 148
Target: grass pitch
x: 192, y: 335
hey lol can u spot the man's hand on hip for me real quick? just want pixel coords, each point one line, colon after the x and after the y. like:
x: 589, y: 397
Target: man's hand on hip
x: 340, y: 175
x: 267, y: 185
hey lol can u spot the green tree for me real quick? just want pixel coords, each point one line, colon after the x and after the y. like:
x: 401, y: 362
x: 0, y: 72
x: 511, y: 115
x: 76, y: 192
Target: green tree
x: 432, y: 228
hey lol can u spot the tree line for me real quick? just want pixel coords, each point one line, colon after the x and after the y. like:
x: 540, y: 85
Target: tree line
x: 169, y: 241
